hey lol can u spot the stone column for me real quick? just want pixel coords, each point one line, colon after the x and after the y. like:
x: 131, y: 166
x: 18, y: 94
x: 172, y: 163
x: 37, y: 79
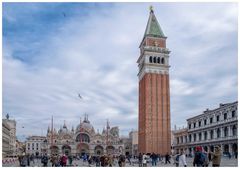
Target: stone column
x: 222, y: 132
x: 229, y: 131
x: 208, y: 135
x: 215, y: 133
x: 230, y: 149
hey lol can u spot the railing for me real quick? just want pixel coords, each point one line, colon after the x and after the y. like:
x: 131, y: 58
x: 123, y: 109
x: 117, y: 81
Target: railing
x: 165, y: 50
x: 214, y: 139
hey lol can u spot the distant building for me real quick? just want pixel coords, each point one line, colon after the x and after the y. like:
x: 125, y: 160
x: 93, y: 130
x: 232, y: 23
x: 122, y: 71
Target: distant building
x: 5, y: 139
x: 133, y: 135
x: 213, y: 127
x: 12, y: 135
x: 20, y: 147
x: 34, y: 145
x: 180, y: 140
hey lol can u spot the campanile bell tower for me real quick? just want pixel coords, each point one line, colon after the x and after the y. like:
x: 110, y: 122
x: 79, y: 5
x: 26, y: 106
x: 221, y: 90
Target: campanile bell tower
x: 154, y: 94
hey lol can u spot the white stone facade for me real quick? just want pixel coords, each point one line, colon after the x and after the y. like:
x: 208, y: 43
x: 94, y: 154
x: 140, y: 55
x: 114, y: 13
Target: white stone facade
x: 34, y: 145
x: 12, y: 134
x: 213, y: 127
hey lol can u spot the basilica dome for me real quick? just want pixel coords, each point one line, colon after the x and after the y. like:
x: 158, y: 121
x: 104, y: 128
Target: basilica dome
x: 85, y: 125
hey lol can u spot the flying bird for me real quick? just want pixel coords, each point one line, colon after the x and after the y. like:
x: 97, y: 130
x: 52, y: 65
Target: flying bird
x: 79, y: 96
x: 64, y: 14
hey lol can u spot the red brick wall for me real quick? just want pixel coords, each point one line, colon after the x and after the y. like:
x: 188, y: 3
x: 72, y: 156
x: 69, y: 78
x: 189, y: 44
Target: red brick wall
x: 154, y: 114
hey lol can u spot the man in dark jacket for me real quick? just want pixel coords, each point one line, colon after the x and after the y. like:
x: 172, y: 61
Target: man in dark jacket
x: 198, y: 157
x: 44, y: 160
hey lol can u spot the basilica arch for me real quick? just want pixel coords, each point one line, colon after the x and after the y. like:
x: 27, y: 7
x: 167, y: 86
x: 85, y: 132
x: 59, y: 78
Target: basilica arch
x: 110, y: 149
x: 54, y: 150
x: 83, y: 138
x: 82, y: 148
x: 66, y: 149
x: 98, y: 150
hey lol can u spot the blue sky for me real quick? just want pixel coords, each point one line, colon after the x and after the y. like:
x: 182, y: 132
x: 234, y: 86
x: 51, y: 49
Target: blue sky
x: 52, y: 51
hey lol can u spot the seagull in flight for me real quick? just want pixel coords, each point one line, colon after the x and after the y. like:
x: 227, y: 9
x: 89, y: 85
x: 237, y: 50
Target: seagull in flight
x: 79, y: 96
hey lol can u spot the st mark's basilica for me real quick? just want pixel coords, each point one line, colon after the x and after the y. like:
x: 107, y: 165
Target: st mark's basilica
x: 84, y: 140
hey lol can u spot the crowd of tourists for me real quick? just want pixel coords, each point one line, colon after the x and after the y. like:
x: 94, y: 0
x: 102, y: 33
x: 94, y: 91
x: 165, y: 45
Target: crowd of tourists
x: 201, y: 158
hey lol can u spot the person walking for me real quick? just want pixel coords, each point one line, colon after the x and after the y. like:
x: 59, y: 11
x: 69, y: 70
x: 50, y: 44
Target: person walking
x: 198, y: 157
x: 140, y: 160
x: 167, y: 159
x: 64, y: 160
x: 110, y: 160
x: 182, y: 159
x: 176, y: 159
x: 44, y: 160
x: 216, y: 157
x: 97, y: 161
x: 144, y: 160
x: 206, y: 158
x: 154, y: 159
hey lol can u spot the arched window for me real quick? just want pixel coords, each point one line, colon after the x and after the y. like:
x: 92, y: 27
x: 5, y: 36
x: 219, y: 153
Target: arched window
x: 150, y: 59
x: 162, y: 61
x: 82, y: 137
x: 194, y: 137
x: 158, y: 60
x: 211, y: 134
x: 205, y: 135
x: 218, y: 133
x: 200, y: 136
x: 154, y: 60
x: 234, y: 130
x: 190, y: 138
x: 225, y: 132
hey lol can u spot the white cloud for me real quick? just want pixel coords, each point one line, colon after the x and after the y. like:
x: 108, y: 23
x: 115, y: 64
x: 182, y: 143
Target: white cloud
x: 97, y: 58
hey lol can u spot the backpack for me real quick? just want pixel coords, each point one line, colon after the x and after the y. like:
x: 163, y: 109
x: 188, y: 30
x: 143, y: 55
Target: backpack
x: 177, y: 158
x: 200, y: 158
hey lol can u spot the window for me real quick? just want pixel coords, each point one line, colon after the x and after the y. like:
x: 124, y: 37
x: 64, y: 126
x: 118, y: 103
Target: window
x: 194, y: 125
x: 205, y: 122
x: 150, y: 59
x: 200, y: 136
x: 225, y: 116
x: 177, y: 140
x: 189, y: 126
x: 32, y: 146
x: 211, y: 120
x: 211, y: 134
x: 225, y: 132
x: 158, y: 60
x: 205, y: 135
x: 190, y: 138
x: 194, y: 137
x: 199, y: 123
x: 154, y: 60
x: 234, y: 130
x: 218, y: 133
x: 181, y: 139
x: 162, y: 61
x: 233, y: 113
x: 218, y: 118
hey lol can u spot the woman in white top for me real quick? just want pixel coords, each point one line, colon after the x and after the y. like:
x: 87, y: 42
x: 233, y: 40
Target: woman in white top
x: 144, y: 160
x: 182, y: 160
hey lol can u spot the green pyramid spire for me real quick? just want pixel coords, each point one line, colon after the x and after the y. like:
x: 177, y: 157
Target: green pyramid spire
x: 153, y: 28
